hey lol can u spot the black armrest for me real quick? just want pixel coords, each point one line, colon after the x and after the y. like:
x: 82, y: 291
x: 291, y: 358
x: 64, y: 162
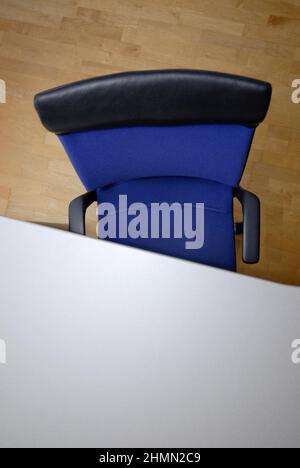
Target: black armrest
x: 77, y: 210
x: 251, y: 224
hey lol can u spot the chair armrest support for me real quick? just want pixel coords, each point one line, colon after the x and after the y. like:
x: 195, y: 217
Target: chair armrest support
x: 251, y: 224
x: 77, y: 210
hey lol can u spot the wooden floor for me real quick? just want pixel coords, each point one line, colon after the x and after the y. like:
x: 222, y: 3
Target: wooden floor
x: 45, y: 43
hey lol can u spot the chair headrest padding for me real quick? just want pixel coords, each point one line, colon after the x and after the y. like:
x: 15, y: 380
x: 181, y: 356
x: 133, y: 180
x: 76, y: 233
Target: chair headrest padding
x: 158, y: 97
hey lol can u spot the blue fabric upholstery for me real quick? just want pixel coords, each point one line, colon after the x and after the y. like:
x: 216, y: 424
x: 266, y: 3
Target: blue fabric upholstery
x: 210, y: 151
x: 186, y: 164
x: 219, y: 247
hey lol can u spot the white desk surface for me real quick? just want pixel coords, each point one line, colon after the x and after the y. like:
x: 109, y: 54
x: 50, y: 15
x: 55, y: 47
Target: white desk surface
x: 111, y: 346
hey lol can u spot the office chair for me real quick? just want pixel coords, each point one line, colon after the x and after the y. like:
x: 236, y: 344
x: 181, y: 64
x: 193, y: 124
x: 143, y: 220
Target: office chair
x: 164, y: 136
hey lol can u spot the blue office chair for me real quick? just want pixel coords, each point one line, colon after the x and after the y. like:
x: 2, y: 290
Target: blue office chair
x: 164, y: 136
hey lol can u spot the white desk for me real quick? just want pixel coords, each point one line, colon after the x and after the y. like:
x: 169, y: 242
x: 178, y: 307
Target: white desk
x: 111, y: 346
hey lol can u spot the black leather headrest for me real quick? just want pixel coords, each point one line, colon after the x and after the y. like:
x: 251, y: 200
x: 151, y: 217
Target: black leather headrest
x: 158, y: 97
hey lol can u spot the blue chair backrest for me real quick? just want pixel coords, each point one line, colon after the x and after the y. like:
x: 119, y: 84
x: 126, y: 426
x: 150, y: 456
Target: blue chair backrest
x: 156, y: 123
x: 211, y: 151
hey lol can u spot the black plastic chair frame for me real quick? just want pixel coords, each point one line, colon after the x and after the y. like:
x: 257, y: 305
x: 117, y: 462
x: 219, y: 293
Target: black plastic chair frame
x: 249, y: 227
